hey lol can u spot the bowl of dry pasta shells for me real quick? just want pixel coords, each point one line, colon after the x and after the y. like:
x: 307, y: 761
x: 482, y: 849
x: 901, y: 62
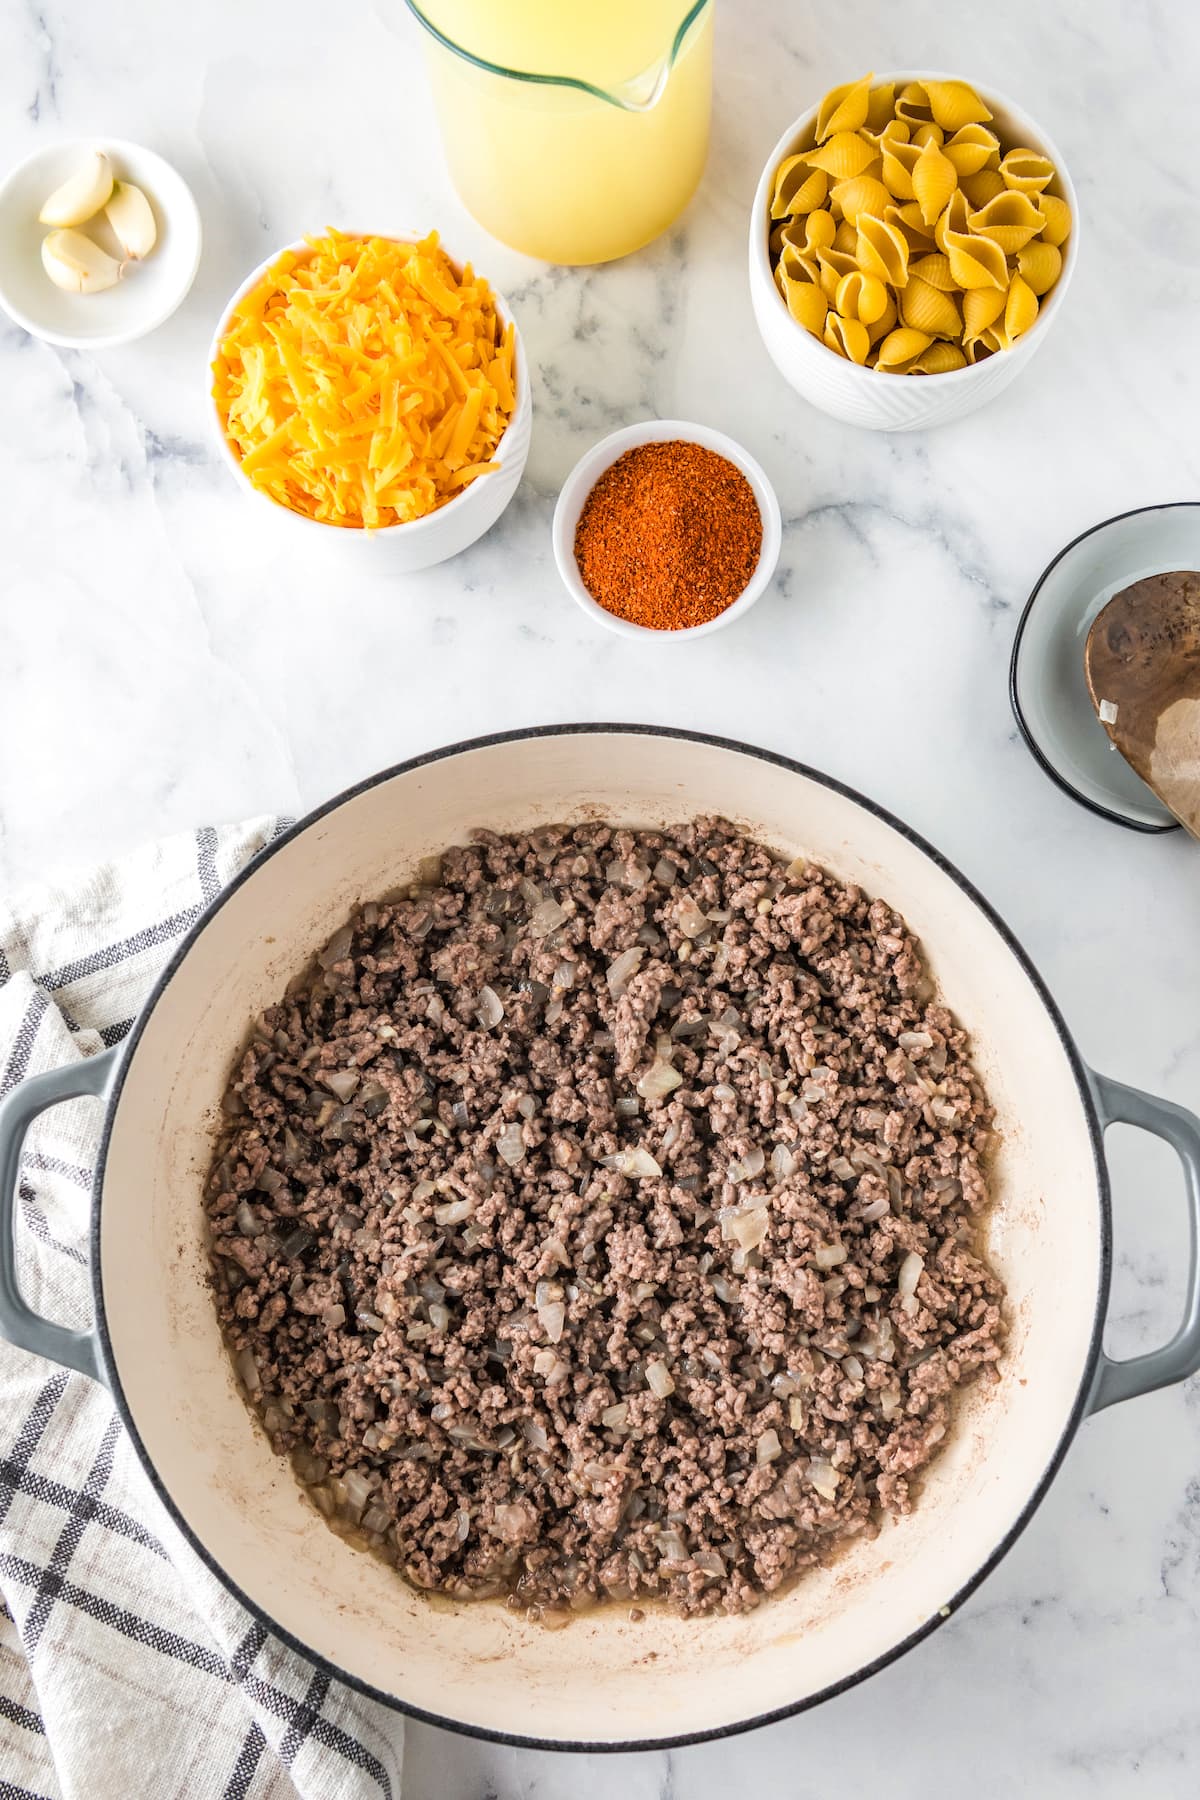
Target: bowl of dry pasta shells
x: 911, y: 244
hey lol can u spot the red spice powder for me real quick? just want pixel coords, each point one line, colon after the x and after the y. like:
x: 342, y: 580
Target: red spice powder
x: 669, y: 536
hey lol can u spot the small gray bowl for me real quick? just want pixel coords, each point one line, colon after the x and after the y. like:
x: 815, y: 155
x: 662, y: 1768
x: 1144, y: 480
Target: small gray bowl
x: 1047, y: 684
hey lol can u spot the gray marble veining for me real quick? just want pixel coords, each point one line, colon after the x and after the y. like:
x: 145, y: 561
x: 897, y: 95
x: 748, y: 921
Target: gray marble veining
x: 165, y: 662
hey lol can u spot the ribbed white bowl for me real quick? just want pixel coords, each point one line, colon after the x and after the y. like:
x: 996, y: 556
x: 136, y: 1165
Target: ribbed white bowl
x: 885, y: 402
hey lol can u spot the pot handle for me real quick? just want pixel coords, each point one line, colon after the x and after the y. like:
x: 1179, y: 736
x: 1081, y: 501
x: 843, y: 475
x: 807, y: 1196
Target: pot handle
x: 1118, y: 1104
x: 19, y: 1324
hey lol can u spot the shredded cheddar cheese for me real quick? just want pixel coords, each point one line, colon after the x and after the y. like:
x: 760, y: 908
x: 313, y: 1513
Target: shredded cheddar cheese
x: 365, y: 382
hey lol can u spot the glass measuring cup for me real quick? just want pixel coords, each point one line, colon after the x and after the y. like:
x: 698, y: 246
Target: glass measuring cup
x: 575, y: 130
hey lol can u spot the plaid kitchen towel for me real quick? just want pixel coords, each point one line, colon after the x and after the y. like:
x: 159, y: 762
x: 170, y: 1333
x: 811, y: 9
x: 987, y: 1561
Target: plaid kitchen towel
x: 126, y: 1671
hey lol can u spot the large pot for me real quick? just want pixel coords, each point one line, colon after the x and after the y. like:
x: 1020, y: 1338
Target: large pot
x: 606, y: 1682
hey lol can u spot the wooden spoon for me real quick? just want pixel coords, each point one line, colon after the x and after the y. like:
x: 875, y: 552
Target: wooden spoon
x: 1143, y: 670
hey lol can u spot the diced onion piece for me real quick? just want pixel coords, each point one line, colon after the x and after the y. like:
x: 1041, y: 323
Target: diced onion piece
x: 746, y: 1229
x: 660, y: 1079
x: 823, y: 1476
x: 658, y: 1378
x: 783, y: 1163
x: 633, y: 1163
x: 768, y: 1447
x: 491, y: 1008
x: 691, y: 921
x: 453, y: 1212
x: 510, y: 1522
x: 915, y: 1040
x: 616, y: 1418
x: 828, y: 1256
x: 550, y: 1365
x: 546, y: 917
x: 553, y: 1318
x: 622, y: 969
x: 910, y: 1274
x: 744, y: 1168
x: 510, y: 1145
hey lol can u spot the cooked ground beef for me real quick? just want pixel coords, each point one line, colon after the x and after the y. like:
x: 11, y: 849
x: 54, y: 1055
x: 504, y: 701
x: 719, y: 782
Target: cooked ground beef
x: 599, y: 1220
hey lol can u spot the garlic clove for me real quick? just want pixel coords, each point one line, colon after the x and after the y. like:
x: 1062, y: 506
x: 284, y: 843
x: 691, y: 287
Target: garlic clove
x: 132, y: 218
x: 73, y: 262
x: 82, y: 195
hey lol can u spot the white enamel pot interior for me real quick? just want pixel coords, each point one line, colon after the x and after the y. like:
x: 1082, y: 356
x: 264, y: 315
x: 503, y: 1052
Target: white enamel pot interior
x: 605, y: 1681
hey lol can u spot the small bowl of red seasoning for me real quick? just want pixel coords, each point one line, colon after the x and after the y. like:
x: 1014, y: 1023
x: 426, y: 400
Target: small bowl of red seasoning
x: 666, y: 529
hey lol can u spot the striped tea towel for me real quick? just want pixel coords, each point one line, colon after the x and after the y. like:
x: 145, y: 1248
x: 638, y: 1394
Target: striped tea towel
x: 126, y: 1671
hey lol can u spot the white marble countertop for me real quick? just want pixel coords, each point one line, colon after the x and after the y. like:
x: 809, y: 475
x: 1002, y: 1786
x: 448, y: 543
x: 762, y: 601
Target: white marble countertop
x: 163, y: 663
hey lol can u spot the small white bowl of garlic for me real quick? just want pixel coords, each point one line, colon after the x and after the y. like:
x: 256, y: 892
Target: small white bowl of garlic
x: 99, y: 242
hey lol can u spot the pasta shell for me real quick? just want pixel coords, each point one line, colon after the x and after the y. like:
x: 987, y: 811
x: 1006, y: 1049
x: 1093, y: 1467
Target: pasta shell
x: 929, y: 133
x: 971, y: 148
x: 927, y: 309
x: 1056, y: 219
x: 887, y: 321
x: 807, y: 305
x: 843, y: 155
x: 819, y: 231
x: 845, y: 238
x: 934, y: 179
x: 881, y: 104
x: 953, y: 219
x: 834, y: 265
x: 882, y: 250
x: 1009, y: 220
x: 939, y: 359
x: 799, y: 188
x: 899, y: 161
x: 954, y: 104
x: 844, y: 108
x: 861, y: 296
x: 1020, y: 312
x: 976, y: 262
x: 847, y: 336
x: 862, y: 193
x: 983, y: 187
x: 797, y: 266
x: 894, y: 131
x: 935, y: 269
x: 979, y: 348
x: 775, y: 240
x: 908, y: 221
x: 1040, y: 266
x: 1026, y: 172
x: 981, y: 308
x: 912, y: 103
x: 900, y: 348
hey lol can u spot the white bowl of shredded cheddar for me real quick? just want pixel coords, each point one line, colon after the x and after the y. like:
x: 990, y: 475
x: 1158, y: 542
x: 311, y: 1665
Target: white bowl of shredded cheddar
x: 370, y: 389
x: 912, y: 240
